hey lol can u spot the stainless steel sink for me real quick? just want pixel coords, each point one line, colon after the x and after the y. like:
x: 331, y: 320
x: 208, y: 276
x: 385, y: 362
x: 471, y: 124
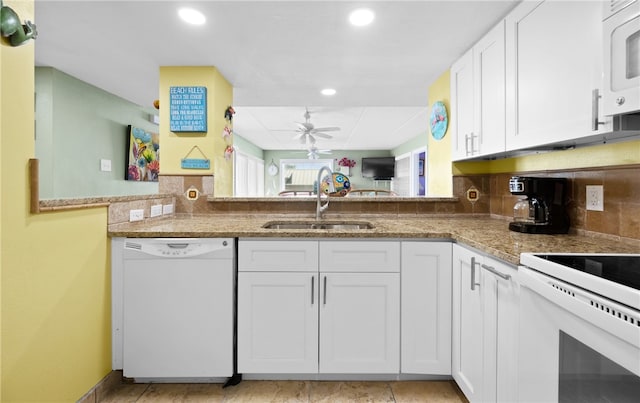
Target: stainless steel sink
x: 312, y: 225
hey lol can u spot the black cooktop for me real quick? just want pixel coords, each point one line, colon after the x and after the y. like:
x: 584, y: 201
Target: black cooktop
x: 623, y: 270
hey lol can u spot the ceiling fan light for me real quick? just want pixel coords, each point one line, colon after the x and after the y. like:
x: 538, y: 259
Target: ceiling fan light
x: 192, y: 16
x: 328, y: 92
x: 361, y: 17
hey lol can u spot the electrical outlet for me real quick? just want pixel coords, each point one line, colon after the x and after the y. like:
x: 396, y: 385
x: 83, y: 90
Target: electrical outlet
x: 167, y: 209
x: 136, y: 215
x: 595, y: 197
x: 156, y: 210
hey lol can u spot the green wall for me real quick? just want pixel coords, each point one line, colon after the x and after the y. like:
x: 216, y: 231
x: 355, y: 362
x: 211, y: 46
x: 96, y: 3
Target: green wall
x: 247, y: 147
x: 418, y: 142
x: 77, y: 125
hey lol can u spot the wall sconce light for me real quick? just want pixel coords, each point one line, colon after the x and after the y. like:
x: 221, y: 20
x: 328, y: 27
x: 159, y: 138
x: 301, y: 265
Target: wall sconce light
x: 10, y: 27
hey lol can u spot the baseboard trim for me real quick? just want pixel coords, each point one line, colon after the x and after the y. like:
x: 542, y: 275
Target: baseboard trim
x: 97, y: 393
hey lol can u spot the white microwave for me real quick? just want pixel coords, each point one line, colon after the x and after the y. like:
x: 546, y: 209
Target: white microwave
x: 621, y: 57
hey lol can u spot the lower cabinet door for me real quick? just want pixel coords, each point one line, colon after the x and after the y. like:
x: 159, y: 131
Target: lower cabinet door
x: 426, y: 308
x: 277, y: 322
x: 467, y: 327
x: 360, y: 323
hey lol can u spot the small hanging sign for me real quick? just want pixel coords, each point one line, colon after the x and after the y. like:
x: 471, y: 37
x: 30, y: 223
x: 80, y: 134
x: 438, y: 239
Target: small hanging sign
x: 195, y: 163
x: 188, y: 109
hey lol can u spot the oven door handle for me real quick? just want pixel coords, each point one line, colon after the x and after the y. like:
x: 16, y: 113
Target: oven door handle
x: 496, y: 272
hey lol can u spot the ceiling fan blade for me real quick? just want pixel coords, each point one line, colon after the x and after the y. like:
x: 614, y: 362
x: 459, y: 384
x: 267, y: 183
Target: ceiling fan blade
x: 304, y: 126
x: 326, y: 129
x: 323, y: 135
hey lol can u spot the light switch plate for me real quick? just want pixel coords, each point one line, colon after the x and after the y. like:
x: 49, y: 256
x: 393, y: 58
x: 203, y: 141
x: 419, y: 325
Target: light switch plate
x: 156, y: 210
x: 105, y: 165
x: 136, y: 215
x: 595, y: 198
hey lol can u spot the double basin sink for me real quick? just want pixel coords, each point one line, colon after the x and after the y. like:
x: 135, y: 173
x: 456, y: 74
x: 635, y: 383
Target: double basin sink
x: 319, y: 225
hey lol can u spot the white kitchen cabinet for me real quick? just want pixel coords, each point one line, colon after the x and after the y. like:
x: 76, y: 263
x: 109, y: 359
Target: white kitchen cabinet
x: 277, y: 255
x: 426, y: 307
x: 360, y: 309
x: 360, y: 323
x: 335, y: 310
x: 277, y: 322
x: 467, y: 337
x: 462, y: 119
x: 277, y: 306
x: 489, y: 92
x: 553, y: 64
x: 501, y: 294
x: 478, y: 98
x: 485, y: 325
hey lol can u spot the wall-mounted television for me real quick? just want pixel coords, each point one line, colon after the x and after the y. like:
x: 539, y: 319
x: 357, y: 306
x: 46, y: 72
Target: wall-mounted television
x: 379, y: 168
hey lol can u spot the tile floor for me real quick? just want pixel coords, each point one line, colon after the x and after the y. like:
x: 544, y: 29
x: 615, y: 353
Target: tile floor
x: 290, y: 391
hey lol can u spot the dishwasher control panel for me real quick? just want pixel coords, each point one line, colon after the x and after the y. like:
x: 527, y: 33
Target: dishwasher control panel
x: 178, y: 247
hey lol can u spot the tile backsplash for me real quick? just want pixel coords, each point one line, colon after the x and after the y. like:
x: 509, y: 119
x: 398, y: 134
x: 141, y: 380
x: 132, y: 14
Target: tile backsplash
x: 621, y: 184
x: 620, y: 218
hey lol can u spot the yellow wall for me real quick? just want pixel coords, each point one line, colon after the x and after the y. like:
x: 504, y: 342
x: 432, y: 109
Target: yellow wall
x: 624, y: 153
x: 439, y: 172
x: 55, y: 277
x: 175, y: 146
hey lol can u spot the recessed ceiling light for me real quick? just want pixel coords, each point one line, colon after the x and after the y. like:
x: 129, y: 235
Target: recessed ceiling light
x: 192, y: 16
x: 328, y: 91
x: 361, y: 17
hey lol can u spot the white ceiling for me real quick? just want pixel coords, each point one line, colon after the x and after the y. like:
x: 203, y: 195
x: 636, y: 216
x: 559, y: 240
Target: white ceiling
x: 278, y: 55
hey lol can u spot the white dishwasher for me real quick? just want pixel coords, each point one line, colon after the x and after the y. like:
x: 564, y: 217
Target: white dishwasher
x: 174, y: 317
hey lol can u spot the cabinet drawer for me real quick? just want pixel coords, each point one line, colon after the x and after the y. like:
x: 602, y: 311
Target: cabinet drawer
x: 280, y: 255
x: 360, y: 256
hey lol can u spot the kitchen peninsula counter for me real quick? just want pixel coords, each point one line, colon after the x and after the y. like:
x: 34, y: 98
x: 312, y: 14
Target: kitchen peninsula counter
x: 489, y: 235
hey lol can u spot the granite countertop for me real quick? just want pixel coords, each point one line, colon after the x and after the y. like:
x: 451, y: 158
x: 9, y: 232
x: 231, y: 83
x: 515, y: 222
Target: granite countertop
x: 486, y: 234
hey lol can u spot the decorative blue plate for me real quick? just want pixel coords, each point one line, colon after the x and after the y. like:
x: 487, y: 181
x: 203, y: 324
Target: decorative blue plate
x: 438, y: 120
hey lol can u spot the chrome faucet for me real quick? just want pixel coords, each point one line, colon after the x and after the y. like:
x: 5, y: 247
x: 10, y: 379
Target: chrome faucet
x: 319, y: 207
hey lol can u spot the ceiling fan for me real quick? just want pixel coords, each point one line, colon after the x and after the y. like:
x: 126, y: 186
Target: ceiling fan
x: 314, y: 153
x: 307, y: 132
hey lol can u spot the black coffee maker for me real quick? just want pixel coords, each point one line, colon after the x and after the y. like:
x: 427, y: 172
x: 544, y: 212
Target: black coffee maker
x: 543, y: 210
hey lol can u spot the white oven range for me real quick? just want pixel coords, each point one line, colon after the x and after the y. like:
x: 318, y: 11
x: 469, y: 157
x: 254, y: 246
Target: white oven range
x: 579, y: 335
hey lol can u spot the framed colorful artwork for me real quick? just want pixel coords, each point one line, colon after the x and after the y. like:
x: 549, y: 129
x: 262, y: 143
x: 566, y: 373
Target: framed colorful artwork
x: 143, y: 155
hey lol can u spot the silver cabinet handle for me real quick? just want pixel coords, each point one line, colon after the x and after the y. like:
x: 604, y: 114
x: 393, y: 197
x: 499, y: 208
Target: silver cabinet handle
x: 313, y: 289
x: 473, y: 144
x: 473, y: 274
x: 595, y: 96
x: 466, y: 144
x: 496, y: 272
x: 324, y: 291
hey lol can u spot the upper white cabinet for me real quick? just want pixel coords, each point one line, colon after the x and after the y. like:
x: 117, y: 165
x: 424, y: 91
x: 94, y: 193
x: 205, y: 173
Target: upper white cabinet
x: 426, y: 307
x: 478, y: 98
x: 461, y: 77
x: 489, y: 91
x: 553, y: 64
